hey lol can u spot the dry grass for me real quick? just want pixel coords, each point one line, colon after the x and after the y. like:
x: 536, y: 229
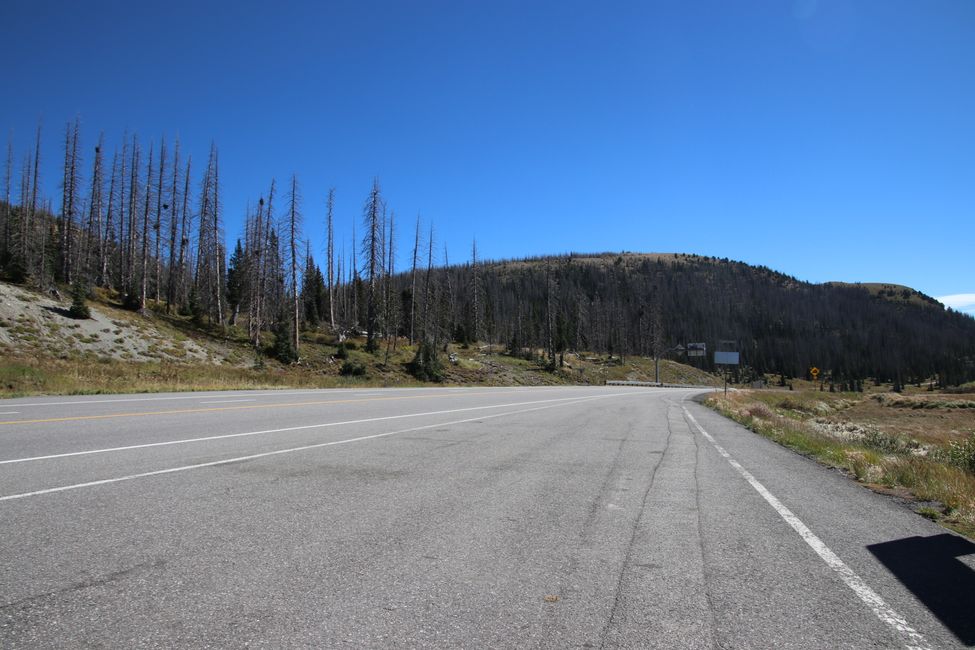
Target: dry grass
x: 875, y: 442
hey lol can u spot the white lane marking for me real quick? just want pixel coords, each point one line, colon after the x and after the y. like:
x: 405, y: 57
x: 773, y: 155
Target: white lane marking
x: 228, y: 401
x: 266, y: 454
x: 9, y: 412
x: 914, y: 639
x: 298, y: 428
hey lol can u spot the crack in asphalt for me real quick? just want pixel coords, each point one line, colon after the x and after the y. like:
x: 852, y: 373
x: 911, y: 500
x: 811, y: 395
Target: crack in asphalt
x: 627, y: 558
x: 715, y: 643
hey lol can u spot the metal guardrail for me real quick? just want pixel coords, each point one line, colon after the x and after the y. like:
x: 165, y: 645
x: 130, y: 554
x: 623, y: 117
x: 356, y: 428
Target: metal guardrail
x: 653, y: 384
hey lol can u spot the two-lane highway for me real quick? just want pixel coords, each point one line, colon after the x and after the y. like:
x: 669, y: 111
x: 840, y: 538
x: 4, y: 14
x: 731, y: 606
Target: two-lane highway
x: 474, y: 517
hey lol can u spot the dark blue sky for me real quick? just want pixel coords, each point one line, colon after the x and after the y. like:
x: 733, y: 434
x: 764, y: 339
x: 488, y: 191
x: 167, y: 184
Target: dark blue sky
x: 830, y: 139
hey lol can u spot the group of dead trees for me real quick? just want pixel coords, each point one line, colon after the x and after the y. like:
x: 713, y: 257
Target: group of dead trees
x: 142, y: 221
x: 136, y: 221
x: 129, y: 226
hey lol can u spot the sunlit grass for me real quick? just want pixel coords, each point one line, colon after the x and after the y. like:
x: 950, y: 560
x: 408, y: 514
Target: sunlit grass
x: 940, y: 473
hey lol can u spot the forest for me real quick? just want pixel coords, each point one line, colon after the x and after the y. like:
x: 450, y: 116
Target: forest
x: 147, y: 222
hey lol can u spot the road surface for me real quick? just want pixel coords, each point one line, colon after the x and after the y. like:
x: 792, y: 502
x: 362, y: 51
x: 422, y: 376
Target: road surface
x: 579, y: 517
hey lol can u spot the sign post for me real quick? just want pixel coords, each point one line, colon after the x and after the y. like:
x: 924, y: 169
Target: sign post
x: 727, y: 355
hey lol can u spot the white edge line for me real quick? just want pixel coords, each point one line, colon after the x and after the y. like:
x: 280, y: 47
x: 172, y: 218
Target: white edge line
x: 240, y: 459
x: 228, y: 401
x: 914, y: 639
x: 298, y: 428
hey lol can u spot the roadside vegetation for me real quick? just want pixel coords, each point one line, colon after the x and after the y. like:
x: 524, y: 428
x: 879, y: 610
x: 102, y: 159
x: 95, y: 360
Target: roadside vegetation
x: 46, y: 349
x: 918, y: 445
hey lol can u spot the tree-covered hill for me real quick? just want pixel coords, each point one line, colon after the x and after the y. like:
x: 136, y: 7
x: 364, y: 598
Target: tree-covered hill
x: 639, y: 304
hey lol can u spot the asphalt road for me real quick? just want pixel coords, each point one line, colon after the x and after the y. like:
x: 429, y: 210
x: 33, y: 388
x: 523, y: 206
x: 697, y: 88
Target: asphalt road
x: 444, y: 518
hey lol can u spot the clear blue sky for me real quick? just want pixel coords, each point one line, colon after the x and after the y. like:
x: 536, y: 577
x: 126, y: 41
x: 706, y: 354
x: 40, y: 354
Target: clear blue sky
x: 829, y: 139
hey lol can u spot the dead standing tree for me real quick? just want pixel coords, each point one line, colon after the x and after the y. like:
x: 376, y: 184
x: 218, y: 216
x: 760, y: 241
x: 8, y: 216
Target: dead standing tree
x: 372, y: 215
x: 208, y: 281
x: 132, y: 232
x: 157, y: 224
x: 144, y: 275
x: 184, y: 237
x: 108, y: 241
x: 68, y: 187
x: 294, y: 225
x: 173, y: 231
x: 6, y: 247
x: 330, y: 254
x: 391, y: 310
x: 94, y: 244
x: 416, y: 248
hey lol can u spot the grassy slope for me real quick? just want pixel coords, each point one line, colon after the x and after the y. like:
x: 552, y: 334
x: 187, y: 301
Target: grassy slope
x: 39, y: 359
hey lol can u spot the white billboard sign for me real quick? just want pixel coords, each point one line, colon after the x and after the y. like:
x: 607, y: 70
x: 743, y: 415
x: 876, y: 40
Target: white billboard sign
x: 726, y: 358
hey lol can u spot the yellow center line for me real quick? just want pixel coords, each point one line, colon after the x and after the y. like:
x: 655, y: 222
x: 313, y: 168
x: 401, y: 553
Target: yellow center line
x: 242, y: 408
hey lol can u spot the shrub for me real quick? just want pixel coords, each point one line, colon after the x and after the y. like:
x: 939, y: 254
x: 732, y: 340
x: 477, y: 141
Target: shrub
x: 888, y: 443
x: 284, y: 347
x: 960, y: 454
x: 426, y: 365
x: 342, y: 351
x: 352, y: 369
x: 79, y: 309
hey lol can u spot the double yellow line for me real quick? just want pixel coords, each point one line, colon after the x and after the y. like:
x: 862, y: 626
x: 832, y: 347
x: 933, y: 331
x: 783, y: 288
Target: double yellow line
x: 107, y: 416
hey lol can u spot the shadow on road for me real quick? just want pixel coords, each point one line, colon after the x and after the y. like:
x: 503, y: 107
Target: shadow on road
x: 930, y: 568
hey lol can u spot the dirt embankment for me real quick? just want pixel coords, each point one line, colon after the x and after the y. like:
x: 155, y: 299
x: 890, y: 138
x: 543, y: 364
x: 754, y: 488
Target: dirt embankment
x: 31, y: 323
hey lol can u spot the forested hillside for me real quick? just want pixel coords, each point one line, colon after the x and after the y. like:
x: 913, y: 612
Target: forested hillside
x: 641, y: 304
x: 148, y: 224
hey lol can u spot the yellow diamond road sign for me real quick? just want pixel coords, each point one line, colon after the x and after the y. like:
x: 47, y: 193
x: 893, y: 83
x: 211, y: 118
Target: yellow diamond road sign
x: 814, y: 371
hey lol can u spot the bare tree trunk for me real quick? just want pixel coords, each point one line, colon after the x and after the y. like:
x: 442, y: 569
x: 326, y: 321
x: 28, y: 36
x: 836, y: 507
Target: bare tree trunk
x: 390, y: 307
x: 64, y: 263
x: 293, y: 218
x: 218, y: 252
x: 109, y: 231
x: 354, y: 282
x: 255, y: 256
x: 371, y: 246
x: 263, y: 237
x: 416, y: 248
x: 330, y: 254
x: 32, y: 212
x: 145, y: 235
x: 70, y: 188
x: 120, y: 252
x: 447, y: 310
x: 477, y: 312
x: 184, y: 236
x: 157, y: 225
x: 425, y: 332
x: 95, y: 215
x: 133, y: 231
x: 173, y: 223
x: 342, y: 288
x: 23, y: 232
x: 7, y: 214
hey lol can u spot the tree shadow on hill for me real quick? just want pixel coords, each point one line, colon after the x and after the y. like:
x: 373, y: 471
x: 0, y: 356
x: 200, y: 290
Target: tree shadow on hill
x: 930, y: 568
x: 60, y: 311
